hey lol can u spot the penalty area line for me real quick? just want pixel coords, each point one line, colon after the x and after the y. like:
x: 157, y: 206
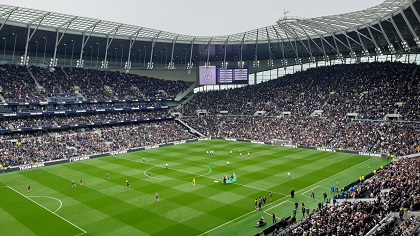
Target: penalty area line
x: 84, y: 231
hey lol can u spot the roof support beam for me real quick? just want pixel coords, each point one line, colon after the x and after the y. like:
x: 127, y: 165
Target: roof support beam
x: 241, y: 62
x: 58, y: 40
x: 150, y: 63
x: 7, y: 18
x: 334, y: 38
x: 270, y: 53
x: 415, y: 11
x: 29, y: 37
x: 303, y: 44
x: 190, y: 64
x: 365, y: 51
x: 208, y: 52
x: 84, y: 42
x: 108, y: 43
x: 352, y: 53
x: 311, y: 56
x: 359, y: 34
x: 127, y: 65
x: 326, y: 58
x: 341, y: 31
x: 390, y: 46
x: 256, y: 63
x: 403, y: 42
x: 369, y: 27
x: 322, y: 39
x: 171, y: 63
x: 291, y: 44
x: 413, y: 33
x: 322, y: 49
x: 373, y: 39
x: 396, y: 28
x: 225, y: 64
x: 284, y: 60
x: 340, y: 55
x: 408, y: 23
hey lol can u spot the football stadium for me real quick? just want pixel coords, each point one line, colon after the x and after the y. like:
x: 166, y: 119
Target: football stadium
x: 307, y: 126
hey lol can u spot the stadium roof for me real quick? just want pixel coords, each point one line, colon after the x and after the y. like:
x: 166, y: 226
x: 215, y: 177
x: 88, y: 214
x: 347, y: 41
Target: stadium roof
x: 295, y: 28
x: 390, y: 27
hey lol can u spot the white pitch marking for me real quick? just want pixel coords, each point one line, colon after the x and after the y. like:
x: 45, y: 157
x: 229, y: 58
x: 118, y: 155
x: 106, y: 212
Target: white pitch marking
x: 204, y: 175
x: 208, y: 231
x: 239, y: 217
x: 84, y: 231
x: 61, y: 203
x: 278, y: 205
x: 244, y: 185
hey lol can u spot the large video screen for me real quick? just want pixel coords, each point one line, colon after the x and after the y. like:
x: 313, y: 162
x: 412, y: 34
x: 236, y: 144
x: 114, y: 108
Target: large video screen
x: 232, y: 76
x: 207, y: 75
x: 212, y: 75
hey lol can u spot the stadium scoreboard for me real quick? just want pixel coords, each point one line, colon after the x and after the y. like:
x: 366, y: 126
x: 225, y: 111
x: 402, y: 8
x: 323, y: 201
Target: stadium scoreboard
x: 213, y: 75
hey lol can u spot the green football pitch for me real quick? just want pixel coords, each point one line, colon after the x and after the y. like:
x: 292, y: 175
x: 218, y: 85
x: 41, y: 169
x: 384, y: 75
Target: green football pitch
x: 106, y: 207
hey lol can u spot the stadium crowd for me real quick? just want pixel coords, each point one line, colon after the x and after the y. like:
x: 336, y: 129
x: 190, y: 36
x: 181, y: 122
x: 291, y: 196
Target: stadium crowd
x: 17, y: 84
x: 24, y: 148
x: 401, y: 180
x: 80, y: 106
x: 359, y: 217
x: 380, y: 137
x: 371, y: 90
x: 56, y: 120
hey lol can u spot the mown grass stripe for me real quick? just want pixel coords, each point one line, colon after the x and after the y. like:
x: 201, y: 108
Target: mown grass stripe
x: 106, y: 207
x: 20, y: 207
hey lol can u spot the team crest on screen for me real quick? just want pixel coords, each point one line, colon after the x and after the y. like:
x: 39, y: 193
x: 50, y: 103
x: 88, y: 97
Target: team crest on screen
x: 207, y: 75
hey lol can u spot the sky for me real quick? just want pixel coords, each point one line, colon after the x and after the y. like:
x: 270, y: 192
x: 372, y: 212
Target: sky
x: 196, y: 17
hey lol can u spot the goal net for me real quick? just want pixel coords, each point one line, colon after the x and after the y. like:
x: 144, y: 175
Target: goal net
x: 283, y: 142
